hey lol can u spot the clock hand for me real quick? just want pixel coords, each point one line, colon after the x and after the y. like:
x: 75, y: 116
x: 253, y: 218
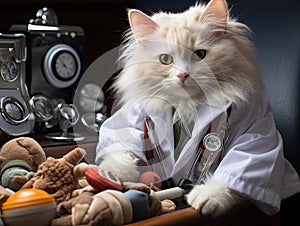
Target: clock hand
x: 62, y: 62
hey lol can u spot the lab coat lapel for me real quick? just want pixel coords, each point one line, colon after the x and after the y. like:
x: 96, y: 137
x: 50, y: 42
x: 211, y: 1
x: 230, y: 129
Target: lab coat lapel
x: 206, y: 114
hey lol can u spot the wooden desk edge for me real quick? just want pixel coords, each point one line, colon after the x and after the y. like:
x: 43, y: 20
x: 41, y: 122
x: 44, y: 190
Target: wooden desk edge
x: 188, y: 216
x: 59, y: 151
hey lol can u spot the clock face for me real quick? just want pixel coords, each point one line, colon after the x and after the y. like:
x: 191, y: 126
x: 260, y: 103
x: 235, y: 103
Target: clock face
x: 62, y: 66
x: 9, y: 71
x: 65, y: 65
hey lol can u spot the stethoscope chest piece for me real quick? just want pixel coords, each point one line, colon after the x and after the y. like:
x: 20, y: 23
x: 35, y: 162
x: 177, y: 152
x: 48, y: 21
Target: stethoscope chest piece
x: 213, y: 142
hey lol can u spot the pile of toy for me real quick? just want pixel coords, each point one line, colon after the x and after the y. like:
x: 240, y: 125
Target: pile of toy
x: 66, y: 191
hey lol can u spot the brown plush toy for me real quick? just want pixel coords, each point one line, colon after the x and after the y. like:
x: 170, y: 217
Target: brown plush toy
x: 111, y: 207
x: 88, y: 206
x: 56, y: 177
x: 19, y: 160
x: 4, y: 195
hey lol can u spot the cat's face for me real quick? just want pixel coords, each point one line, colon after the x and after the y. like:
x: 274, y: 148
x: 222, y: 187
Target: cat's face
x: 196, y: 55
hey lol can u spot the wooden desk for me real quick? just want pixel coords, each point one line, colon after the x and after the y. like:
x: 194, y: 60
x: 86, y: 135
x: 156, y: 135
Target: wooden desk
x: 183, y: 217
x: 239, y: 216
x: 57, y: 149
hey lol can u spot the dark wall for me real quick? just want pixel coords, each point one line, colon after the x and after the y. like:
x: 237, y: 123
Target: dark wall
x: 103, y: 21
x: 276, y: 35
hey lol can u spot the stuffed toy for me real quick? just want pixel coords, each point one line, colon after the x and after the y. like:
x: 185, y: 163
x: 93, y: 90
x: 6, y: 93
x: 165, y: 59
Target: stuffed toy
x: 4, y: 195
x: 56, y: 177
x: 108, y: 201
x: 19, y: 160
x: 111, y: 207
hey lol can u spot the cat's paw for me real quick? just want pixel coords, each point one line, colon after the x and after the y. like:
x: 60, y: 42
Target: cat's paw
x: 122, y: 164
x: 211, y: 198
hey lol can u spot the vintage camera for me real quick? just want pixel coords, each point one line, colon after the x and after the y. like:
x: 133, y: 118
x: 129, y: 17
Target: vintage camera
x: 15, y: 118
x: 55, y: 61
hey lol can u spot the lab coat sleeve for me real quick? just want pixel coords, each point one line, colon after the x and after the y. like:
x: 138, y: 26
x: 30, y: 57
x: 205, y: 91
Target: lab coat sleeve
x: 254, y: 164
x: 123, y: 131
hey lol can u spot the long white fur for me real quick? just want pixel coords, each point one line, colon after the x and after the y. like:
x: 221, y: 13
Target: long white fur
x: 230, y: 61
x: 122, y: 164
x: 227, y: 73
x: 212, y: 198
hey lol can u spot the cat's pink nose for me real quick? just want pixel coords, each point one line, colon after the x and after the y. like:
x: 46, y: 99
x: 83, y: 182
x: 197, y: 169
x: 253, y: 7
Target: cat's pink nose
x: 182, y: 76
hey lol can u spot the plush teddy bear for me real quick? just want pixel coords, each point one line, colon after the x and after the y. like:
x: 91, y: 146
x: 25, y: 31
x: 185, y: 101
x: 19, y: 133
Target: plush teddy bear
x: 56, y: 177
x: 19, y: 160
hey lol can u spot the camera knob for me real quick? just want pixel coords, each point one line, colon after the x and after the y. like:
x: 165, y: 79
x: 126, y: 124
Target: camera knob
x: 45, y: 16
x: 68, y: 115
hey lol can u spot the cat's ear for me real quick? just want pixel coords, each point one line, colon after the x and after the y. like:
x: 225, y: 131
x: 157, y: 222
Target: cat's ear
x: 218, y: 11
x: 141, y: 24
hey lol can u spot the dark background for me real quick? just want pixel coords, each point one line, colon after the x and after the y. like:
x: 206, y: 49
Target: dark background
x: 103, y: 21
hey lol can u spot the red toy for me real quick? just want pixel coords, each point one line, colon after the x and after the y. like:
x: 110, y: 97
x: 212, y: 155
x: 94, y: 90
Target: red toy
x: 151, y: 179
x: 101, y: 179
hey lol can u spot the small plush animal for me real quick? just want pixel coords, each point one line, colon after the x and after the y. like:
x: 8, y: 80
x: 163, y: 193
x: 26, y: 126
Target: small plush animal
x: 56, y: 176
x: 108, y: 201
x: 19, y: 160
x: 111, y: 207
x: 196, y: 71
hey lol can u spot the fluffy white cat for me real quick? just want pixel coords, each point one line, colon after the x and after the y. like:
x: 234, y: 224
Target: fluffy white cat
x: 220, y: 47
x: 186, y: 60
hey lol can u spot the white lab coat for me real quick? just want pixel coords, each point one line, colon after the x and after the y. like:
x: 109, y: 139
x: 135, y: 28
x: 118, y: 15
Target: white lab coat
x: 252, y: 161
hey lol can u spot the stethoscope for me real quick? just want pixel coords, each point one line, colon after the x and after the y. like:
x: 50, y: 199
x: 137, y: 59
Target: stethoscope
x: 209, y: 150
x: 206, y: 154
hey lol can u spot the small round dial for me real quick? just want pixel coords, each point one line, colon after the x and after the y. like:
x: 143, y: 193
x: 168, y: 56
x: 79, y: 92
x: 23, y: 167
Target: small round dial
x: 62, y: 66
x: 65, y: 65
x: 212, y: 142
x: 12, y: 110
x: 9, y: 71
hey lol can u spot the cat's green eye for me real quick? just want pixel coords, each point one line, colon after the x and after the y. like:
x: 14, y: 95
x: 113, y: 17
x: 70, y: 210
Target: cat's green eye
x: 165, y: 59
x: 198, y: 55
